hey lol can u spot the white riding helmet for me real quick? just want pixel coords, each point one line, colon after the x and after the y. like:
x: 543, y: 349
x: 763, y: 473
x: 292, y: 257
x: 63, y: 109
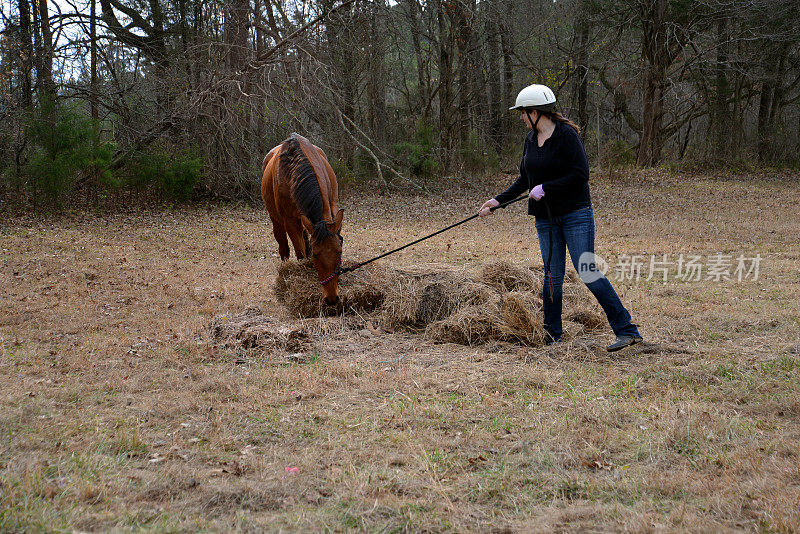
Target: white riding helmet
x: 536, y: 96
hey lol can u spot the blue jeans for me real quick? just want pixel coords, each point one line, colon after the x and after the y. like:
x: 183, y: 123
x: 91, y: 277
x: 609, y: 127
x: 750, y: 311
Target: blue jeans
x: 577, y: 233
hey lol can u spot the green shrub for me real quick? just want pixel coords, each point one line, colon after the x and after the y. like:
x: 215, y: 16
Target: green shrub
x: 6, y: 153
x: 617, y: 153
x: 65, y: 146
x: 344, y: 174
x: 181, y: 177
x: 419, y: 154
x: 476, y: 156
x: 144, y: 169
x: 174, y: 175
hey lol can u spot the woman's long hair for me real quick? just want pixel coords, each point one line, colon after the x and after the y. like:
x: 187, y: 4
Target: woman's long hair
x: 555, y: 116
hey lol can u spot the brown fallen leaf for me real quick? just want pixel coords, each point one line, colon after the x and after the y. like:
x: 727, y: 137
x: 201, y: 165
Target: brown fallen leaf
x: 50, y: 490
x: 312, y: 497
x: 174, y: 452
x: 233, y: 468
x: 598, y: 464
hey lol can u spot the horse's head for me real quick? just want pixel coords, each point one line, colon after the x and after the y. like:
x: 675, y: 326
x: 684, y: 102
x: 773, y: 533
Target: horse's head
x: 326, y: 253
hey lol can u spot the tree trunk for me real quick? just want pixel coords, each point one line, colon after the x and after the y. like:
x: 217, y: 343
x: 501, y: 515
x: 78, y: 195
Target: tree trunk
x: 461, y: 25
x: 770, y: 102
x: 495, y: 79
x: 184, y: 29
x: 260, y: 116
x: 376, y: 81
x: 650, y: 144
x: 197, y: 40
x: 765, y: 102
x: 26, y: 55
x: 582, y: 64
x: 445, y: 82
x: 93, y: 104
x: 423, y: 80
x: 738, y: 105
x: 508, y: 95
x: 26, y: 86
x: 158, y: 36
x: 655, y: 51
x: 236, y: 33
x: 345, y: 71
x: 721, y: 118
x: 44, y: 62
x: 780, y: 76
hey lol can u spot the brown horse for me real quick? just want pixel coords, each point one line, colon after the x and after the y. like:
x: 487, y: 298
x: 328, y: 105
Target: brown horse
x: 300, y: 193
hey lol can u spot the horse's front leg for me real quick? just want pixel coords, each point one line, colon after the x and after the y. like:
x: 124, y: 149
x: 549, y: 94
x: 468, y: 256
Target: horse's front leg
x: 295, y: 231
x: 279, y: 232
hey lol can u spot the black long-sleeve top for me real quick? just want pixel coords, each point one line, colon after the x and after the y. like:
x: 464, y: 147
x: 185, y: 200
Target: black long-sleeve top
x: 560, y: 165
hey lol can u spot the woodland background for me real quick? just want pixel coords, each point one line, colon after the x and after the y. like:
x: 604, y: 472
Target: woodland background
x: 181, y: 99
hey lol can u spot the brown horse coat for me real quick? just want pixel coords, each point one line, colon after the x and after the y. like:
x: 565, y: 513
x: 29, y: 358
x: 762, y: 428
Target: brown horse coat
x: 300, y: 192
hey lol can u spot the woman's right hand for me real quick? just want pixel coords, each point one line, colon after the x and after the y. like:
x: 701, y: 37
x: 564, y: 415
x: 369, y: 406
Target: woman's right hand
x: 486, y: 208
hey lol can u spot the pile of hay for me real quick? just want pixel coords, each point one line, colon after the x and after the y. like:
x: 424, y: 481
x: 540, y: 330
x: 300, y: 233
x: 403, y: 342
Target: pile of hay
x: 252, y: 329
x: 297, y: 286
x: 502, y: 302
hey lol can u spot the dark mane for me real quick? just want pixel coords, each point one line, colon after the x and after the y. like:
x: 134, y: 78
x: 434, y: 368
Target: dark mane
x: 304, y: 185
x: 321, y: 232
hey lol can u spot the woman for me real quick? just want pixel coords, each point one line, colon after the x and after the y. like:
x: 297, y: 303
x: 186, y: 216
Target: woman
x: 555, y: 170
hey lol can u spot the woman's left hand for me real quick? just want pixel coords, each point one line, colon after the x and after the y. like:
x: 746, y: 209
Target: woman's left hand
x: 537, y: 192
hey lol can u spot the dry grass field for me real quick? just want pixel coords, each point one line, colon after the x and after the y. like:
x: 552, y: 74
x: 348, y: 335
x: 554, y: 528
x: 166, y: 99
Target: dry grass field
x: 119, y: 413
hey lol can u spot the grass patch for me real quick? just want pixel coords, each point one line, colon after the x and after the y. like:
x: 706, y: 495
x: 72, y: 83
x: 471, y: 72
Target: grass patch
x: 106, y: 364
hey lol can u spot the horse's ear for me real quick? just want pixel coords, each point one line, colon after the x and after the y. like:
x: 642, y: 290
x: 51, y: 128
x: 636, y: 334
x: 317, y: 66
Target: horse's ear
x: 337, y: 222
x: 307, y: 224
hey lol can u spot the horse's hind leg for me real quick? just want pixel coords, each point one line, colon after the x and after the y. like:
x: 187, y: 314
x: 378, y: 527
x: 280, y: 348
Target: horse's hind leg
x: 280, y: 236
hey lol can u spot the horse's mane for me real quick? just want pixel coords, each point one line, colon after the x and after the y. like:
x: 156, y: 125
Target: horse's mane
x: 304, y: 185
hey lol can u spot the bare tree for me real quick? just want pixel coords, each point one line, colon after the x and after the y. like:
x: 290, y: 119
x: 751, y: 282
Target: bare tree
x: 413, y: 84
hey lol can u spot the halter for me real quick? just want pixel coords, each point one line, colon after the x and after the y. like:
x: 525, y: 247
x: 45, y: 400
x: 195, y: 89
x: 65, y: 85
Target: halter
x: 338, y: 269
x: 333, y: 275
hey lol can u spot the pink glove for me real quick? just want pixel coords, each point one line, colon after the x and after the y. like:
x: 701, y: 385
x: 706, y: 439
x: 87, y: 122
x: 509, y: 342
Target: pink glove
x: 537, y: 192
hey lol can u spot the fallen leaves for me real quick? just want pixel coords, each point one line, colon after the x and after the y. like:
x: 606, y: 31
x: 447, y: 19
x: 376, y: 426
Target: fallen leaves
x: 476, y: 460
x: 175, y: 453
x: 598, y: 463
x: 233, y: 467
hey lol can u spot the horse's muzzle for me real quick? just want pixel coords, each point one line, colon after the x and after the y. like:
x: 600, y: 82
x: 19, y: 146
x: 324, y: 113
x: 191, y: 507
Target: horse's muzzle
x: 332, y: 302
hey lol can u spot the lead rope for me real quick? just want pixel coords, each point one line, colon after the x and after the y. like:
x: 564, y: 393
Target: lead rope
x: 342, y: 270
